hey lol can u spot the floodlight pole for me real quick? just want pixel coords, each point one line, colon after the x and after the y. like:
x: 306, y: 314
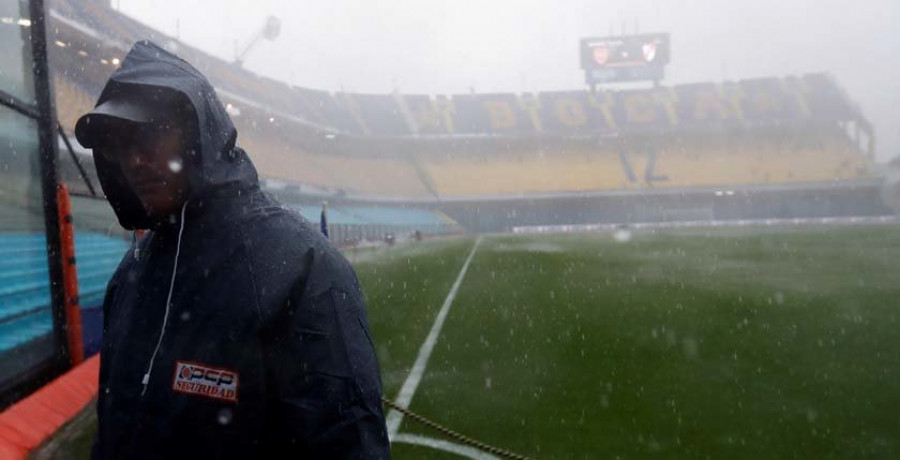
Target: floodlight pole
x: 239, y: 59
x: 270, y: 31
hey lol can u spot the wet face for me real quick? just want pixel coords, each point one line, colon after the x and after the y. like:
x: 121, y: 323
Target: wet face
x: 152, y: 158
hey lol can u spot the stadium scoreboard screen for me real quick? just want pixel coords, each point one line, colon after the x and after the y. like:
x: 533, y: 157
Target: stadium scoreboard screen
x: 624, y: 58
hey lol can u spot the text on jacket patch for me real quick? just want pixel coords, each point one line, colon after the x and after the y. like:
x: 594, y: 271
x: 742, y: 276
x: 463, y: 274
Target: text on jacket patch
x: 202, y: 380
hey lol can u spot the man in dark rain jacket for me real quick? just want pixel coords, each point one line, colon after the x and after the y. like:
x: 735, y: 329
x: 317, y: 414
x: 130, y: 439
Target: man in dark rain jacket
x: 232, y: 329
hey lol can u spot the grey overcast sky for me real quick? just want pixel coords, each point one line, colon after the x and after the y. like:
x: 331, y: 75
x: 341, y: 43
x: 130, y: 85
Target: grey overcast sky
x: 440, y: 47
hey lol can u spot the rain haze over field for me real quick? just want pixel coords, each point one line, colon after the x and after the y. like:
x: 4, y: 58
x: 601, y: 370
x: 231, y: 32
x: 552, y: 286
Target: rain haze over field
x: 580, y: 228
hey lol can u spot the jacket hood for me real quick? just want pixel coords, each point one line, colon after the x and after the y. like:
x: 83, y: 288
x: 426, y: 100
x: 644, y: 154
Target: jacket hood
x: 215, y: 162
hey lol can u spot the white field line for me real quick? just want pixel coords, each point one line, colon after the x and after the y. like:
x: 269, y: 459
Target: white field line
x: 404, y: 397
x: 446, y: 446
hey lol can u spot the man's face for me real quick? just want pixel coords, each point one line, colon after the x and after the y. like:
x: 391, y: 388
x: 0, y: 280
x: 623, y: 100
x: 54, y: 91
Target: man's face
x: 152, y: 158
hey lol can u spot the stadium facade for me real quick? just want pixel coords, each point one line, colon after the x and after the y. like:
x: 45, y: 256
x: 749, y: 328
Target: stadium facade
x: 759, y: 148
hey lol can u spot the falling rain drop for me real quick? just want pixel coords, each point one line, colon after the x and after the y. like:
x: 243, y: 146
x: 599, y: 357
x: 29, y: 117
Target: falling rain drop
x: 224, y: 416
x: 175, y: 165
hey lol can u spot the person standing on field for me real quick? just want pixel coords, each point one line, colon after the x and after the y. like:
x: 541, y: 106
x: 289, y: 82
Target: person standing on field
x: 232, y: 329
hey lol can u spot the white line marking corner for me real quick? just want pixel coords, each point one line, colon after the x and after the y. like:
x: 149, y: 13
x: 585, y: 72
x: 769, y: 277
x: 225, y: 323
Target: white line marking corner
x: 411, y: 384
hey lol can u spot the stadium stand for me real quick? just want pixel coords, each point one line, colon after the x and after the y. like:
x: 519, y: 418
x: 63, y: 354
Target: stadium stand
x: 374, y: 215
x: 763, y: 157
x: 24, y: 291
x: 71, y: 101
x: 287, y: 129
x: 350, y: 224
x: 278, y: 157
x: 798, y: 135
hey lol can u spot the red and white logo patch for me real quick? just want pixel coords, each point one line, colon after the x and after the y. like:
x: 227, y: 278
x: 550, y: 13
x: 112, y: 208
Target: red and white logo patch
x: 601, y: 54
x: 202, y: 380
x: 649, y: 52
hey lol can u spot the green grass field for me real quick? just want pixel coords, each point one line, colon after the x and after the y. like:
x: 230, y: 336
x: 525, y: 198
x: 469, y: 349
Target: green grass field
x: 766, y: 343
x: 726, y: 343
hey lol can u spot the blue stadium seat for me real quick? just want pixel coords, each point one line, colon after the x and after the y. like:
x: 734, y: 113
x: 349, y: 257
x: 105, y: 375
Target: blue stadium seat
x: 396, y: 216
x: 24, y: 285
x: 24, y: 329
x: 374, y: 215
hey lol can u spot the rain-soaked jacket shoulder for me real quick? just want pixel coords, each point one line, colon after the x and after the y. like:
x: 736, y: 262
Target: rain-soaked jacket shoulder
x: 234, y: 330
